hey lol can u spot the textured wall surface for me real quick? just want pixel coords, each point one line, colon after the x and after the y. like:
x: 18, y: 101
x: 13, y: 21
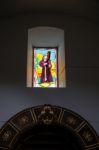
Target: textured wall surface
x: 82, y: 50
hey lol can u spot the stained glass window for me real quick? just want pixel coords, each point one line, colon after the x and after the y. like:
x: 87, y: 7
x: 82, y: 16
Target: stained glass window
x: 45, y: 67
x: 46, y: 58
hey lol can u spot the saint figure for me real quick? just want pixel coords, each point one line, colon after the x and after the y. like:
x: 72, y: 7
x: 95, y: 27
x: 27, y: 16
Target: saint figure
x: 45, y: 63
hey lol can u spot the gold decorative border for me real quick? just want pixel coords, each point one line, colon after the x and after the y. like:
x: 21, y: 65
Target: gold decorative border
x: 48, y: 114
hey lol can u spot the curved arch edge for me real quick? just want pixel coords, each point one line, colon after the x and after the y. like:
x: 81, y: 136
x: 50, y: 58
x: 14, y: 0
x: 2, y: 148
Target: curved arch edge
x: 48, y: 114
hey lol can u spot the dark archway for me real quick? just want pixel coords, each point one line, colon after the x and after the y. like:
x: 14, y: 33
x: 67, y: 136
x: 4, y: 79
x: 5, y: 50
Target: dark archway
x: 48, y: 127
x: 48, y: 137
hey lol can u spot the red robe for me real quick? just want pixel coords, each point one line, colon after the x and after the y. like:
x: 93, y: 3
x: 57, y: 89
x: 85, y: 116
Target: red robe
x: 46, y: 71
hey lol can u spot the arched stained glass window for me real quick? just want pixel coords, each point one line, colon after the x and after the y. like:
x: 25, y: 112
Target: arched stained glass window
x: 45, y: 67
x: 46, y: 58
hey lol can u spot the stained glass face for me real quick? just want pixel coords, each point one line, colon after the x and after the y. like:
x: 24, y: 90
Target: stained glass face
x: 45, y: 67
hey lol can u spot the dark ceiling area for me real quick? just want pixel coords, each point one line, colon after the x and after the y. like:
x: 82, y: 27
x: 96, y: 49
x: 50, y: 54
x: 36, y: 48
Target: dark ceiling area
x: 84, y: 8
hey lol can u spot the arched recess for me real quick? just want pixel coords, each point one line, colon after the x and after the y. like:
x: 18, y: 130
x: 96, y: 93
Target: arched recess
x: 48, y: 38
x: 48, y: 115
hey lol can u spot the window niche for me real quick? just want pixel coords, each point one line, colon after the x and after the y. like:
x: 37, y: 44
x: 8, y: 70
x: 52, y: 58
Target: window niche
x: 46, y: 58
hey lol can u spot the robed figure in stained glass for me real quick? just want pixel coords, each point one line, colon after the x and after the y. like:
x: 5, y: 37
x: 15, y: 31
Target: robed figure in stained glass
x: 45, y: 67
x: 45, y: 63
